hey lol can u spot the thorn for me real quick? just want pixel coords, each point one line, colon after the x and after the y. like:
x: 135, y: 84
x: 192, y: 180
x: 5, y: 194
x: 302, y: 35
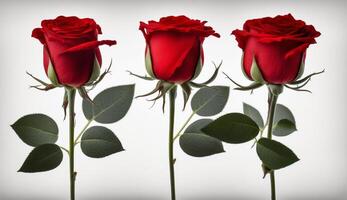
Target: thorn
x: 266, y: 170
x: 74, y: 175
x: 163, y: 106
x: 65, y: 103
x: 255, y: 142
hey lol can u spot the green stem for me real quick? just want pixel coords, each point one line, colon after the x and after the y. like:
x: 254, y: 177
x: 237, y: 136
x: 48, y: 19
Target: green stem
x: 272, y: 105
x: 273, y: 185
x: 184, y: 125
x: 82, y: 131
x: 64, y: 149
x: 171, y: 136
x: 71, y: 92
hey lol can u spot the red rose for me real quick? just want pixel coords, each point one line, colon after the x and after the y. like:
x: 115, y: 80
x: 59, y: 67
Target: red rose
x: 70, y: 44
x: 277, y: 45
x: 174, y: 50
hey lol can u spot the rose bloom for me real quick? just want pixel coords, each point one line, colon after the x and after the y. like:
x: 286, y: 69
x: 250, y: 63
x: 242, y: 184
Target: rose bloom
x: 70, y: 44
x: 174, y: 50
x: 278, y: 45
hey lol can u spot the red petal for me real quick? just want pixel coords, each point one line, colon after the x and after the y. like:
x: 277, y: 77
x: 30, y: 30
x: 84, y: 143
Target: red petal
x: 187, y: 69
x: 297, y: 50
x: 169, y: 51
x: 89, y: 45
x: 38, y: 34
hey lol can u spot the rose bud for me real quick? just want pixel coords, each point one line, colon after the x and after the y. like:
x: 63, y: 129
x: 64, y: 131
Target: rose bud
x: 275, y: 48
x: 174, y: 50
x: 71, y: 55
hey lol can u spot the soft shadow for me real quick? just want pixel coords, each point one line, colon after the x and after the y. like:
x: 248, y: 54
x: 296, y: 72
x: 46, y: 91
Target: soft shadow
x: 124, y: 198
x: 314, y: 198
x: 219, y: 198
x: 28, y: 198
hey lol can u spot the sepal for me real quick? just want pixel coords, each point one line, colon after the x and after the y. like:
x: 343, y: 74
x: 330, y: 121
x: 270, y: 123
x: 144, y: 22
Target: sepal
x: 256, y: 73
x: 186, y: 90
x: 306, y: 78
x: 162, y: 88
x: 210, y: 80
x: 84, y: 94
x: 52, y: 75
x: 275, y: 89
x: 145, y: 77
x: 301, y: 69
x: 198, y: 68
x: 243, y: 68
x: 96, y: 72
x: 251, y: 87
x: 148, y: 62
x: 99, y: 78
x: 44, y: 86
x: 157, y: 88
x: 302, y: 82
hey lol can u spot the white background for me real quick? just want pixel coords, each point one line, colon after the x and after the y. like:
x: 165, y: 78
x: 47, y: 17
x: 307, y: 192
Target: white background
x: 141, y: 172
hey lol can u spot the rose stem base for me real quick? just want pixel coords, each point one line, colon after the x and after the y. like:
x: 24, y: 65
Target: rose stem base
x: 172, y: 94
x: 274, y: 91
x: 71, y: 100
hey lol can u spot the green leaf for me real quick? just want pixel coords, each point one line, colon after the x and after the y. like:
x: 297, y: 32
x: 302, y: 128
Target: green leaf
x: 283, y: 127
x: 195, y: 143
x: 232, y: 128
x: 274, y: 154
x: 110, y: 105
x: 99, y: 142
x: 282, y: 112
x: 254, y: 114
x: 284, y: 121
x: 36, y: 129
x: 196, y: 126
x: 42, y: 158
x: 200, y: 145
x: 210, y: 101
